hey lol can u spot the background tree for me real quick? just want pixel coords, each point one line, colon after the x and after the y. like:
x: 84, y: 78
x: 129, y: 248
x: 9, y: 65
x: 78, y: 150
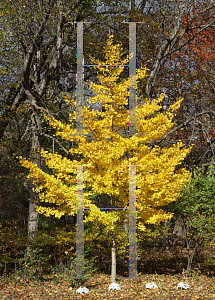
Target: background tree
x: 39, y: 78
x: 194, y: 21
x: 197, y: 209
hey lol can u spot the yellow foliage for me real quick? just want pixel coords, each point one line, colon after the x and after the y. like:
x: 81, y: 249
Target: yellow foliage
x: 106, y: 167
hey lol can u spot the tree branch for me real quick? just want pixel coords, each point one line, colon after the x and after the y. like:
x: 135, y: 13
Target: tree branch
x: 51, y: 137
x: 181, y: 125
x: 190, y: 39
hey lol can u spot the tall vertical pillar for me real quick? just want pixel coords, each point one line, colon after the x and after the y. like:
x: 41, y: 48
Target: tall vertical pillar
x: 80, y: 81
x: 132, y: 169
x: 80, y: 131
x: 132, y: 223
x: 132, y: 79
x: 80, y: 225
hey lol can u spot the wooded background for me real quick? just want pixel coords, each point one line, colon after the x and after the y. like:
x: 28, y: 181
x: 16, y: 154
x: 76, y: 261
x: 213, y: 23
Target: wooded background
x: 38, y: 65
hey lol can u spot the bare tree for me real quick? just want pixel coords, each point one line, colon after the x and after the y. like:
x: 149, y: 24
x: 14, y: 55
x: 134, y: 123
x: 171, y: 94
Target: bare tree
x: 172, y: 30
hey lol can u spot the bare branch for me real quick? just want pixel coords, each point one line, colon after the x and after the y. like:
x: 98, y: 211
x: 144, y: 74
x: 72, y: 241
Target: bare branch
x: 51, y: 137
x: 185, y: 123
x: 190, y: 39
x: 166, y: 47
x: 30, y: 53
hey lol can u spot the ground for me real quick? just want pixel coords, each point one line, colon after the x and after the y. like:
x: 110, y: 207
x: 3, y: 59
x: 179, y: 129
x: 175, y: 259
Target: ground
x: 159, y: 267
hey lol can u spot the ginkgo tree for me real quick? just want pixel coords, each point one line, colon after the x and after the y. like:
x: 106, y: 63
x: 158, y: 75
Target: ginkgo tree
x: 107, y: 155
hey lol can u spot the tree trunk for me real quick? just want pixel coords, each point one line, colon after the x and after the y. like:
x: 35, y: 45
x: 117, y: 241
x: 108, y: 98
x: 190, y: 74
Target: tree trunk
x: 189, y: 262
x: 165, y: 242
x: 132, y: 5
x: 33, y: 216
x: 32, y: 69
x: 190, y: 256
x: 125, y: 222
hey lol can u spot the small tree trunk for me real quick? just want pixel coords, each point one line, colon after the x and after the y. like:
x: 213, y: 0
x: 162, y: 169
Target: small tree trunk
x: 190, y: 256
x: 113, y: 267
x: 189, y: 262
x: 165, y: 241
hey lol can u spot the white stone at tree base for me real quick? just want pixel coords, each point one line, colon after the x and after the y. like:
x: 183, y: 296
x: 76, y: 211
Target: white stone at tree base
x: 151, y: 285
x: 114, y: 286
x: 183, y: 286
x: 82, y: 290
